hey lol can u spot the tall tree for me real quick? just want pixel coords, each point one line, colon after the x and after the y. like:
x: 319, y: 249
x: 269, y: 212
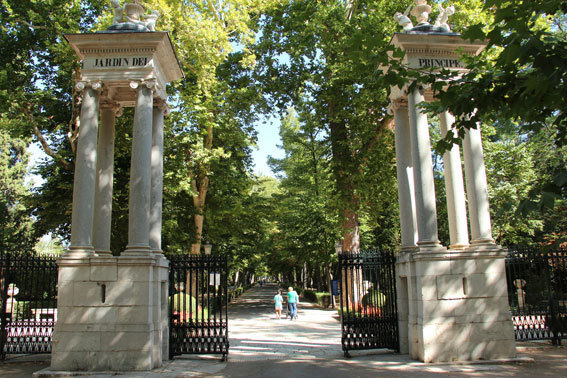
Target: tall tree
x: 303, y: 213
x: 325, y: 54
x: 15, y: 222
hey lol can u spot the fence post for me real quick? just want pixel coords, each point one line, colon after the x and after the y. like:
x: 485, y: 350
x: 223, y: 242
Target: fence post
x: 3, y: 299
x: 555, y: 340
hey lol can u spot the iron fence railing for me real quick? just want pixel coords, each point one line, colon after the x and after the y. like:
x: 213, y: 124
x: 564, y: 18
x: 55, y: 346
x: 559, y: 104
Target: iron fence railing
x: 537, y: 293
x: 198, y: 305
x: 28, y: 303
x: 369, y: 315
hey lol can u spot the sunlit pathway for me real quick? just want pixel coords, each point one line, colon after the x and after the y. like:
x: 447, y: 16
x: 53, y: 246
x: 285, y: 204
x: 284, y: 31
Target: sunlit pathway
x: 255, y: 334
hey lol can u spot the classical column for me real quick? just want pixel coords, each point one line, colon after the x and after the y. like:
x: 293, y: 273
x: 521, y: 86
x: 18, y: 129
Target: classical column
x: 104, y: 183
x: 404, y: 165
x: 140, y: 171
x: 85, y: 172
x: 157, y: 178
x: 455, y: 188
x: 426, y: 209
x: 477, y: 188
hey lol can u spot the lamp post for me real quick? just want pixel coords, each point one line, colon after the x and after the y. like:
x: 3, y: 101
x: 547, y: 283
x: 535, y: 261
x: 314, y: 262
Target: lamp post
x: 208, y: 247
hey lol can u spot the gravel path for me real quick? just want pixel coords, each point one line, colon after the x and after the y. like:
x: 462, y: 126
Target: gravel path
x: 256, y: 334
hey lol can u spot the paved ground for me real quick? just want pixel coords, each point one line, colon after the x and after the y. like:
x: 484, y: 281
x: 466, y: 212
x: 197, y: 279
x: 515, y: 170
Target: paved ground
x: 261, y: 346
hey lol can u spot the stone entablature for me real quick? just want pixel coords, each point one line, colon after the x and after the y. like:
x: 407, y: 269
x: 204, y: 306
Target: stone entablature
x: 428, y: 51
x: 117, y: 59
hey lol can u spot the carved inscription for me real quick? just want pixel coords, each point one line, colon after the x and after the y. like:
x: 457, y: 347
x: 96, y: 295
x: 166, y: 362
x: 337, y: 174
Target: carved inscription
x: 444, y: 63
x: 116, y: 62
x: 435, y: 62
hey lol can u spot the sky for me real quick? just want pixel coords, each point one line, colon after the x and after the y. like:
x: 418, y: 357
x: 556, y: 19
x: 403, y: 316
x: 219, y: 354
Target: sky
x: 268, y: 139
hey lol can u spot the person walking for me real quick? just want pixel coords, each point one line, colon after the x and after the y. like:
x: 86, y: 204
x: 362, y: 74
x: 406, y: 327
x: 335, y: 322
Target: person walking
x: 292, y: 301
x: 278, y: 300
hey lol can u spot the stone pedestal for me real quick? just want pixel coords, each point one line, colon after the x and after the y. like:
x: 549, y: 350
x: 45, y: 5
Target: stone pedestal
x: 112, y: 314
x: 454, y: 306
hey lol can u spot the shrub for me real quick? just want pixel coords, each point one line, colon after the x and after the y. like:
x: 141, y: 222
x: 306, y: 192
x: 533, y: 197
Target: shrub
x: 186, y: 307
x: 374, y: 298
x: 321, y: 298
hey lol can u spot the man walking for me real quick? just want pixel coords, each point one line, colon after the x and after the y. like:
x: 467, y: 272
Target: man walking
x: 292, y: 301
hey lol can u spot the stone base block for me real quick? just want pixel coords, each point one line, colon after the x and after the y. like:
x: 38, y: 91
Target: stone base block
x: 454, y: 306
x: 114, y: 314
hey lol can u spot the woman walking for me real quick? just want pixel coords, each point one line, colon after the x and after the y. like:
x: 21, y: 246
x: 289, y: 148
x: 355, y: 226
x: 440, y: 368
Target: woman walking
x: 278, y: 300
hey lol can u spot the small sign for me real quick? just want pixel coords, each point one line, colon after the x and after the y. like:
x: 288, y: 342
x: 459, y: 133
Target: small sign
x: 335, y: 287
x: 214, y: 279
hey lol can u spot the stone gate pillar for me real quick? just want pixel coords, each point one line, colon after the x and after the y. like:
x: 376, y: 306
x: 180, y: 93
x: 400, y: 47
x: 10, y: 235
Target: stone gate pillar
x: 453, y: 302
x: 112, y: 308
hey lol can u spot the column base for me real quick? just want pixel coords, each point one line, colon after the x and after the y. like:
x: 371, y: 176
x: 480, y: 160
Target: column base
x: 80, y: 251
x: 137, y: 250
x: 484, y: 244
x: 459, y: 247
x: 430, y: 248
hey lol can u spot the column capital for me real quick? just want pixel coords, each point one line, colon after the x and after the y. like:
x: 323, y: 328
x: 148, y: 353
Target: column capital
x: 397, y: 104
x: 150, y: 84
x: 161, y: 104
x: 82, y: 85
x: 114, y: 106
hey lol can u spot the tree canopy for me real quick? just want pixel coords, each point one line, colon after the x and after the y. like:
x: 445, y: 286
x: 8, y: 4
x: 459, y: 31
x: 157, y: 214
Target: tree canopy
x: 314, y: 65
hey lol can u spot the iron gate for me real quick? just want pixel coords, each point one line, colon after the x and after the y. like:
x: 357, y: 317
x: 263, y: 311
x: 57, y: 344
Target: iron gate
x: 198, y: 305
x: 369, y: 313
x: 537, y: 293
x: 28, y: 303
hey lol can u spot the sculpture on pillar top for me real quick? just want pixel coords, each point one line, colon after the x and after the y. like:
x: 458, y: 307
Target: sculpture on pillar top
x: 421, y: 11
x: 404, y: 20
x: 130, y: 18
x: 443, y: 18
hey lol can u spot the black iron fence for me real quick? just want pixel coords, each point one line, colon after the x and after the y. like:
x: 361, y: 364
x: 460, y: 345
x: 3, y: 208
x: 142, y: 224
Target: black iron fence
x: 537, y: 293
x: 28, y: 303
x: 369, y: 315
x: 198, y: 305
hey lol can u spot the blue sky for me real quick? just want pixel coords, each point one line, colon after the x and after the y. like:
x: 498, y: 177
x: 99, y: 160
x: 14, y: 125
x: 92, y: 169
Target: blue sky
x: 268, y: 139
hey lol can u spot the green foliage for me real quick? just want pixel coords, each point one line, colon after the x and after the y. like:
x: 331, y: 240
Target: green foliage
x: 311, y: 57
x: 520, y: 77
x: 188, y: 307
x: 374, y: 298
x: 49, y: 246
x: 322, y: 299
x: 15, y: 222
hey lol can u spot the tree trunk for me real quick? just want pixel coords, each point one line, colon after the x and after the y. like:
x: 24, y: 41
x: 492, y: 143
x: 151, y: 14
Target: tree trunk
x: 200, y: 185
x: 236, y: 277
x: 344, y: 168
